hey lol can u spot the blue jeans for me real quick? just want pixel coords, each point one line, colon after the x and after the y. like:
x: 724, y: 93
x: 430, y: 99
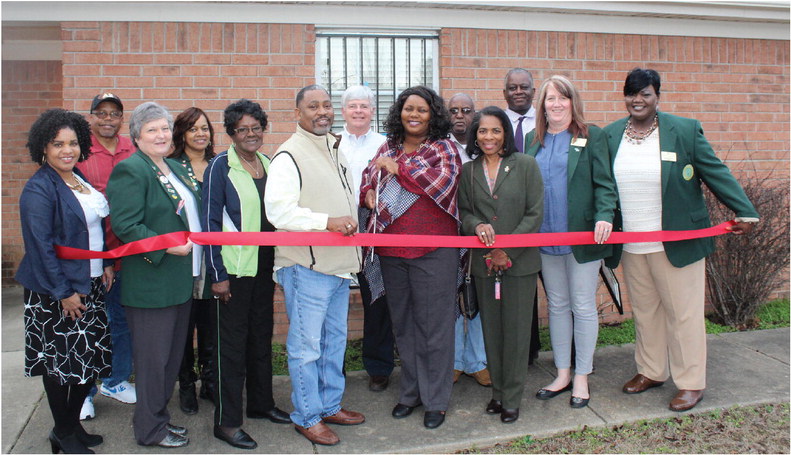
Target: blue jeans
x: 317, y: 306
x: 119, y: 334
x: 470, y: 353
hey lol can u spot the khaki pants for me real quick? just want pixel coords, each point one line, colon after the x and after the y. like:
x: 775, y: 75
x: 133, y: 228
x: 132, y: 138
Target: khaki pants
x: 667, y: 303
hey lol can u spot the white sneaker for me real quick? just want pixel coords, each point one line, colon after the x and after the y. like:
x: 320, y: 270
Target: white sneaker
x: 87, y: 412
x: 123, y: 392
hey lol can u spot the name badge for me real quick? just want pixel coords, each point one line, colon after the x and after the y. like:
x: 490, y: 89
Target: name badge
x: 579, y: 142
x: 668, y: 156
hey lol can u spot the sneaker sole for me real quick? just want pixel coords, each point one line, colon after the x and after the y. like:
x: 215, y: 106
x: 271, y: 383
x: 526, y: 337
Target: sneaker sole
x: 115, y: 398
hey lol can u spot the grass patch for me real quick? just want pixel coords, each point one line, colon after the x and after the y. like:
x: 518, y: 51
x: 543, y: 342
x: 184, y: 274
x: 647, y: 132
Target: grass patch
x: 772, y: 315
x: 756, y: 429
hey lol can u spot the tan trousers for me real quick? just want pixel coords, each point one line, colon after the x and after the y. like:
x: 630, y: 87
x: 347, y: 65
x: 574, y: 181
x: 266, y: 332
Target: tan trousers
x: 667, y: 303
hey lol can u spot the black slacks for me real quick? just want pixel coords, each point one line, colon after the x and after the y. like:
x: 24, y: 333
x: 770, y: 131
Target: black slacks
x: 378, y: 340
x: 244, y: 347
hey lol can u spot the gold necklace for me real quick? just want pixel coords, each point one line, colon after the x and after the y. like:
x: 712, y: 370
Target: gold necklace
x: 635, y: 137
x: 76, y: 187
x: 251, y: 164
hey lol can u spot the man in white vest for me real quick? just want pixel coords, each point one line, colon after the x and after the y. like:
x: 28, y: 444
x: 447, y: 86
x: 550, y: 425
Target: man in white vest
x: 308, y: 189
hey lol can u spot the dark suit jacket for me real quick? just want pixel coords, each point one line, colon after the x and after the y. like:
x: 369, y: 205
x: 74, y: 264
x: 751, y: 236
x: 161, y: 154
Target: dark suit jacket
x: 591, y: 189
x: 516, y: 207
x: 140, y: 207
x: 51, y: 215
x: 688, y: 160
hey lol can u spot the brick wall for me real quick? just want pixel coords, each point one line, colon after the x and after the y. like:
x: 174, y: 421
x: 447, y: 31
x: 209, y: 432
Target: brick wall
x: 738, y: 88
x: 29, y: 88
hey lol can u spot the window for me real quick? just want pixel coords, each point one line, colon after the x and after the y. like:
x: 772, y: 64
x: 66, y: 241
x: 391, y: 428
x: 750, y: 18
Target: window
x: 388, y: 63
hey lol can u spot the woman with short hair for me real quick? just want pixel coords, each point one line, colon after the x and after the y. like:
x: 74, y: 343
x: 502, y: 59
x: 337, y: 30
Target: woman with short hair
x: 152, y: 195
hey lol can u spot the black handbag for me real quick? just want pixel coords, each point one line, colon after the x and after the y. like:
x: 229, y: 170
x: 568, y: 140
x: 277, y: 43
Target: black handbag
x: 468, y: 304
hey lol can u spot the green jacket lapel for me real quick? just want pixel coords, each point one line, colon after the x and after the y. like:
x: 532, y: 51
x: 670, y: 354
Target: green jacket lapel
x: 505, y: 170
x: 167, y: 187
x: 667, y: 143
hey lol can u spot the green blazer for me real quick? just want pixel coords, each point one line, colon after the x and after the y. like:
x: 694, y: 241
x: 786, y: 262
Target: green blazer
x: 516, y: 207
x: 141, y: 207
x: 591, y: 189
x: 687, y: 161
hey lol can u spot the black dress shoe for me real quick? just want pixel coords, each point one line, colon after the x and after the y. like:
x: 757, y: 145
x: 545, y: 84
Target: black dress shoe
x: 274, y: 415
x: 240, y: 439
x: 188, y: 402
x: 89, y: 440
x: 509, y: 415
x: 68, y: 444
x: 175, y: 429
x: 577, y: 402
x: 378, y: 383
x: 172, y: 441
x: 207, y: 391
x: 401, y: 410
x: 494, y: 407
x: 433, y: 419
x: 545, y: 394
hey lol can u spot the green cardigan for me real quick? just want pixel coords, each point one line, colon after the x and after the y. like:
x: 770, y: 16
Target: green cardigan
x: 141, y: 207
x: 516, y: 207
x: 591, y: 189
x: 687, y: 161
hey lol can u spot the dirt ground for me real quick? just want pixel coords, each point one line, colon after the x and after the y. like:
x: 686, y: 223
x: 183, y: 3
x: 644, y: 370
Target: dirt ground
x: 748, y: 429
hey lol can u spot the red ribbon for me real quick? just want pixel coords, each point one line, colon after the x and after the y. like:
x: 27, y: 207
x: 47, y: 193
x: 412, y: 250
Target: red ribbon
x: 165, y: 241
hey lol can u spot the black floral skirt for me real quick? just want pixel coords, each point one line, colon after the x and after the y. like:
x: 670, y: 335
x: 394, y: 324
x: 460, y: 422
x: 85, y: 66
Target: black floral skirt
x: 73, y: 351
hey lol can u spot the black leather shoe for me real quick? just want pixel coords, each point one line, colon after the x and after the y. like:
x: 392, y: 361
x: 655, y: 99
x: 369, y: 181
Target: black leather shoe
x: 207, y: 391
x: 240, y: 439
x: 378, y: 383
x: 274, y: 415
x: 89, y: 440
x: 401, y: 410
x: 545, y: 394
x: 175, y: 429
x: 433, y: 419
x: 494, y: 407
x: 509, y: 415
x: 68, y: 444
x: 188, y: 402
x: 172, y: 441
x: 577, y: 402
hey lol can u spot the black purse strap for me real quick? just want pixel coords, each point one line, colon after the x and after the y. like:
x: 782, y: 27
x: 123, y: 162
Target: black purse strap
x: 472, y: 203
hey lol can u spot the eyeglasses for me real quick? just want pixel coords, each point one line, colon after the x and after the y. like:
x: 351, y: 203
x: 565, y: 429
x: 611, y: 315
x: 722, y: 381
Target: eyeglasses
x: 103, y: 114
x: 244, y: 130
x: 464, y: 110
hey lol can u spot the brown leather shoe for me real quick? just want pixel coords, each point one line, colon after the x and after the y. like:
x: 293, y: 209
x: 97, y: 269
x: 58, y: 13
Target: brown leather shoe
x: 483, y: 377
x: 456, y: 375
x: 344, y: 417
x: 685, y: 400
x: 639, y: 384
x: 378, y: 383
x: 319, y: 434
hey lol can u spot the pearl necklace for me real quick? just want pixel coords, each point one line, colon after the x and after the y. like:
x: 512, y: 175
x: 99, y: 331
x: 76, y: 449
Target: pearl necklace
x: 635, y: 137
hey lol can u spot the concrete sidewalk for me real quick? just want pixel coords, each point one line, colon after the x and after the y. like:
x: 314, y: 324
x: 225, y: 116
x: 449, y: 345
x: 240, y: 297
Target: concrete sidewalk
x: 743, y: 368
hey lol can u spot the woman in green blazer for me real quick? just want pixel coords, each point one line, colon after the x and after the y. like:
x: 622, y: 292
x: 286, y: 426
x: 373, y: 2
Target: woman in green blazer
x: 659, y: 162
x: 501, y: 192
x: 579, y: 195
x: 150, y: 195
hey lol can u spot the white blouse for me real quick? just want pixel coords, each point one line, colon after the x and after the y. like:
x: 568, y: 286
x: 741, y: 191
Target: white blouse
x: 638, y: 174
x: 94, y: 206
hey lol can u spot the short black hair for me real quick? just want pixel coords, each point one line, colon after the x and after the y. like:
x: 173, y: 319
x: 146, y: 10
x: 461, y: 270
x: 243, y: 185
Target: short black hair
x: 47, y: 126
x: 235, y: 111
x: 303, y: 90
x: 509, y: 146
x: 438, y: 126
x: 640, y: 78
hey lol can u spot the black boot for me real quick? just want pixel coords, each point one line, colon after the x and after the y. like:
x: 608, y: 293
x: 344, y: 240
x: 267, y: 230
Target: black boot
x: 90, y: 440
x: 188, y: 402
x: 68, y: 444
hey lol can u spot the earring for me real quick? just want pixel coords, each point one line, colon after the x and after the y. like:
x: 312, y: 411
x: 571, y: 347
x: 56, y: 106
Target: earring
x: 476, y: 143
x: 43, y: 160
x: 209, y: 144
